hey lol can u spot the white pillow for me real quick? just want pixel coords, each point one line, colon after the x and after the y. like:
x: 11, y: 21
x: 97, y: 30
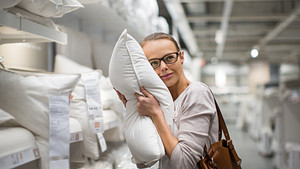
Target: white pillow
x: 4, y: 116
x: 79, y: 111
x: 8, y: 3
x: 129, y: 70
x: 43, y: 145
x: 109, y: 97
x: 63, y: 64
x: 50, y: 8
x: 15, y: 139
x: 26, y: 97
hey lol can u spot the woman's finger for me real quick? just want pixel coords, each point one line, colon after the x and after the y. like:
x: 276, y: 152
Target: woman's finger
x: 137, y: 95
x: 145, y: 92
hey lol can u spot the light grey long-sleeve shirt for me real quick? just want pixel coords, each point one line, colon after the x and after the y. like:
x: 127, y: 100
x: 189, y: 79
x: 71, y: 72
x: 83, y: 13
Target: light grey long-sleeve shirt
x: 197, y: 125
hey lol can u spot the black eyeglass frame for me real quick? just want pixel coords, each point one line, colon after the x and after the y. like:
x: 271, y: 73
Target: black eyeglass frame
x: 163, y: 59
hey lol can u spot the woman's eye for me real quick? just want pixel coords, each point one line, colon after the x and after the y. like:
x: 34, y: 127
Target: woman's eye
x: 170, y: 58
x: 154, y: 63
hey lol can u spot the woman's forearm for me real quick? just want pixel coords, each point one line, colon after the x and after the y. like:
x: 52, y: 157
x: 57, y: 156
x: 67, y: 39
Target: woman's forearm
x: 165, y: 133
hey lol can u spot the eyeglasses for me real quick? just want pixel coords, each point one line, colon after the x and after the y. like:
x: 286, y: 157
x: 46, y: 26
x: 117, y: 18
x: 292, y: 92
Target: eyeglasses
x: 168, y: 59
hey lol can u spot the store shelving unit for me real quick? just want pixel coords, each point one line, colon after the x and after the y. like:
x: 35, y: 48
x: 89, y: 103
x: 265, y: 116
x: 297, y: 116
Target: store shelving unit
x: 19, y: 158
x: 15, y: 29
x: 107, y: 20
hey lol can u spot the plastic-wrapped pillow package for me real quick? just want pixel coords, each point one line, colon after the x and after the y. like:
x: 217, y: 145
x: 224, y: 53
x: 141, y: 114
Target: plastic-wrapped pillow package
x: 79, y: 111
x: 129, y: 69
x: 26, y: 96
x: 50, y: 8
x: 114, y: 134
x: 65, y: 65
x: 43, y: 144
x: 15, y: 139
x: 109, y: 97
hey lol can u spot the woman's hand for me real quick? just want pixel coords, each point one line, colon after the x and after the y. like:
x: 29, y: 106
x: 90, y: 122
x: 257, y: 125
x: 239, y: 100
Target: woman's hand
x: 147, y: 105
x: 121, y: 97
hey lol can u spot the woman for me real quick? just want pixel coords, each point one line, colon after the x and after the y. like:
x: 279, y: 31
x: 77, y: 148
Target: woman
x: 195, y: 113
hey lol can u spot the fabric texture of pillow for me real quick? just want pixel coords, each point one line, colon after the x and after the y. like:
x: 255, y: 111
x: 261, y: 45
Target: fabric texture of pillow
x: 65, y: 65
x: 27, y: 96
x: 50, y: 8
x: 4, y: 116
x: 15, y: 139
x: 129, y: 69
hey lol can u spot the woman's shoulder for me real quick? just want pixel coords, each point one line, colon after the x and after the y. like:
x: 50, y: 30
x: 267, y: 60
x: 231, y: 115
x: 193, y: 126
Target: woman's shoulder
x: 198, y: 87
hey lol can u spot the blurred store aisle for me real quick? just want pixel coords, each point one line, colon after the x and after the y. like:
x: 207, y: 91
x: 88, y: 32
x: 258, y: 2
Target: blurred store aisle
x: 248, y: 151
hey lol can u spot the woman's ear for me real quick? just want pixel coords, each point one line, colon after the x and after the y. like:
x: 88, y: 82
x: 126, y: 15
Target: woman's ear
x: 181, y: 56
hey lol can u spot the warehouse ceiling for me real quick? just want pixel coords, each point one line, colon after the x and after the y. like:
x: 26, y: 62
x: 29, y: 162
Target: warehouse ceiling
x: 227, y: 30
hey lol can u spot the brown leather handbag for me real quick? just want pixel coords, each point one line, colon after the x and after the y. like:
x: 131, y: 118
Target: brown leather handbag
x: 221, y: 155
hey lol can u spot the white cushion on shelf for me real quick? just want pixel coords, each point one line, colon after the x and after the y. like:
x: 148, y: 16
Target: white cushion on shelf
x: 113, y: 133
x: 79, y: 111
x: 109, y: 97
x: 129, y: 70
x: 15, y: 139
x: 26, y: 97
x: 63, y: 64
x: 43, y: 144
x: 50, y: 8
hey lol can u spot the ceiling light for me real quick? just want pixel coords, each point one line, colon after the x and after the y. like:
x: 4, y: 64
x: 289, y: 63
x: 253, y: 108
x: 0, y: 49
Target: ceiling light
x: 254, y: 53
x: 219, y: 36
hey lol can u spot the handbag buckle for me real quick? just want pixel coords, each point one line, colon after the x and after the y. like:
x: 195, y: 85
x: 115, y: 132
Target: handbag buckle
x: 213, y: 164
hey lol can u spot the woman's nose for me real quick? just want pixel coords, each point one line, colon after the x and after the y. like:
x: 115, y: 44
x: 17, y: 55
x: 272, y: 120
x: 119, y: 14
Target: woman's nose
x: 163, y: 65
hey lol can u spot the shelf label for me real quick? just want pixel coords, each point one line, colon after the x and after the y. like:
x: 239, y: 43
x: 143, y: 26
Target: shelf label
x: 20, y: 158
x: 77, y: 136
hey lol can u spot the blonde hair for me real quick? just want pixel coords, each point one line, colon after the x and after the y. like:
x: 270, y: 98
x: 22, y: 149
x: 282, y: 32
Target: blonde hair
x: 159, y: 36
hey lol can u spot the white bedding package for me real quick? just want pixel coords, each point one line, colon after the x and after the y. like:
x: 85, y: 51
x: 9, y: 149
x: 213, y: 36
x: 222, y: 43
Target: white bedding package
x: 26, y: 97
x: 43, y: 143
x: 79, y: 111
x: 129, y: 69
x: 15, y: 139
x: 50, y: 8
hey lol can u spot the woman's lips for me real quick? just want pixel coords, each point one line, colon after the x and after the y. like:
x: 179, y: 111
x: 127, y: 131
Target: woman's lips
x: 166, y: 76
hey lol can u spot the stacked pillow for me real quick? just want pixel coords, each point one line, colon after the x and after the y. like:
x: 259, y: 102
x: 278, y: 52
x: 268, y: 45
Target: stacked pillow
x: 50, y: 8
x: 129, y: 69
x: 25, y: 97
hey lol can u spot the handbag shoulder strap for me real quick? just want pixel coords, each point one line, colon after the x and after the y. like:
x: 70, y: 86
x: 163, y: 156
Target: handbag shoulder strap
x: 223, y: 127
x: 222, y: 124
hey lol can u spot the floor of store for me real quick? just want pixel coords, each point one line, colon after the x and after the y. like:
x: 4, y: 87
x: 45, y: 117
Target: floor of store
x: 248, y: 151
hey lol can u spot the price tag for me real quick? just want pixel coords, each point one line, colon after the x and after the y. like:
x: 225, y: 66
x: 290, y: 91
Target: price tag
x: 94, y: 106
x: 59, y: 140
x: 102, y: 142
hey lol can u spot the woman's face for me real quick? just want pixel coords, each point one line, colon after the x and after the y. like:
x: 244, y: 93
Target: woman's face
x: 169, y: 73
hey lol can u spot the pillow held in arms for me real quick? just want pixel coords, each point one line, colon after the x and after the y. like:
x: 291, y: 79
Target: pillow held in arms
x: 129, y: 69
